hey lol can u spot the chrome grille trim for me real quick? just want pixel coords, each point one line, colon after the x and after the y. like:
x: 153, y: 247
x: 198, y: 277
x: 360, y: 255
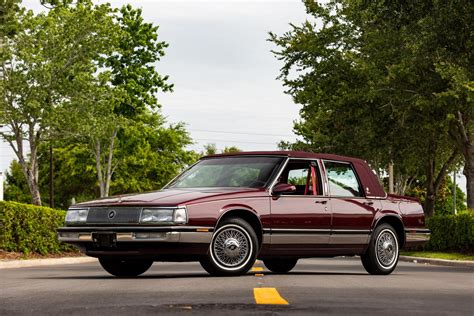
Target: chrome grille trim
x: 114, y: 215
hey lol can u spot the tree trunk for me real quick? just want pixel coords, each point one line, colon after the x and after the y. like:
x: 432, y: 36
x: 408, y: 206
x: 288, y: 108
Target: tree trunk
x: 98, y: 167
x: 104, y: 173
x: 30, y: 170
x: 110, y: 170
x: 433, y: 181
x: 430, y: 192
x: 469, y: 173
x: 465, y: 141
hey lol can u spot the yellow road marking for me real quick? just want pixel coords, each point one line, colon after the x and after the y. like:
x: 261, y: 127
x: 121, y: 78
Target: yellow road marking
x: 259, y: 274
x: 269, y: 296
x: 255, y: 269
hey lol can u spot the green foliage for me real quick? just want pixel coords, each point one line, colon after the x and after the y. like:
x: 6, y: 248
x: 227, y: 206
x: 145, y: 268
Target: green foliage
x: 9, y: 10
x: 50, y: 59
x: 444, y: 200
x: 30, y: 229
x: 378, y: 81
x: 231, y: 150
x: 16, y: 187
x: 452, y: 232
x: 209, y: 149
x: 132, y: 68
x: 94, y: 100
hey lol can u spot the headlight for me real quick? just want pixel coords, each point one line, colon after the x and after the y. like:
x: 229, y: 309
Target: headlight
x: 164, y: 215
x: 77, y: 215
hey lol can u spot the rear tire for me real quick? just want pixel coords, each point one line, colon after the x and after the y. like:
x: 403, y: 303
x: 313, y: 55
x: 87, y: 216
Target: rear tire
x: 125, y: 267
x: 381, y: 257
x: 233, y: 249
x: 280, y: 265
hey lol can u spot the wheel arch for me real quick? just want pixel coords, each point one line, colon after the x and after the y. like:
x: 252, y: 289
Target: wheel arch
x: 396, y: 222
x: 246, y: 214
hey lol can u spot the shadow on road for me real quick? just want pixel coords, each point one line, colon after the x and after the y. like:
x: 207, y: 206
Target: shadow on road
x: 187, y: 275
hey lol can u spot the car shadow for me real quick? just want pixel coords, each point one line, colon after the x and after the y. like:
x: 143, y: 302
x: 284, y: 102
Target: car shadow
x: 190, y: 275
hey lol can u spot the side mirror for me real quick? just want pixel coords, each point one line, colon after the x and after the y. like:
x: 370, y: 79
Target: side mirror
x: 283, y: 188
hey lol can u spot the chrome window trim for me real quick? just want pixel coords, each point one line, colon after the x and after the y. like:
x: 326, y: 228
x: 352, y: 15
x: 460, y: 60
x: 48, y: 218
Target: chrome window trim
x: 273, y: 183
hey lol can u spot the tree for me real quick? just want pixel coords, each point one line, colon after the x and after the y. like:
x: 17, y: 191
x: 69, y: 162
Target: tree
x: 16, y: 187
x: 151, y: 156
x: 369, y: 86
x: 231, y: 150
x: 40, y: 78
x: 123, y: 96
x: 209, y: 149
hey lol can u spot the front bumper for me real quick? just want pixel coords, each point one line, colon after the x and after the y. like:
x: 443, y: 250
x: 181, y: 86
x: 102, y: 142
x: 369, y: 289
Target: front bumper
x: 138, y: 234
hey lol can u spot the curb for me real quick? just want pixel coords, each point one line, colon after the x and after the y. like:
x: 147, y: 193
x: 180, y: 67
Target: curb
x: 44, y: 262
x: 440, y: 262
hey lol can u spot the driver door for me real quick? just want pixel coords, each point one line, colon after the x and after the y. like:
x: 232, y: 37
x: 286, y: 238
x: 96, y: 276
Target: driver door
x: 300, y: 220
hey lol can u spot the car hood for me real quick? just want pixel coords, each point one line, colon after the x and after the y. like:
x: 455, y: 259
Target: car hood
x: 172, y: 197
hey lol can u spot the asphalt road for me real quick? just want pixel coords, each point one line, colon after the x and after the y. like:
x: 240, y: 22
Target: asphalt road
x: 315, y: 286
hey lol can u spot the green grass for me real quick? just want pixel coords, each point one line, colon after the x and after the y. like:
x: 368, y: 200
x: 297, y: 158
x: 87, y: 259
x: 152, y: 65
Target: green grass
x: 438, y: 255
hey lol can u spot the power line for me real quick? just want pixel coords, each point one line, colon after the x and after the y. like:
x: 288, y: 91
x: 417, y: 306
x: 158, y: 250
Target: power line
x: 239, y: 133
x: 232, y: 141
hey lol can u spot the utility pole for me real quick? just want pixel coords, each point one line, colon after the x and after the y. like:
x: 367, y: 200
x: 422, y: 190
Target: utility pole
x: 1, y: 186
x: 454, y: 193
x: 51, y: 177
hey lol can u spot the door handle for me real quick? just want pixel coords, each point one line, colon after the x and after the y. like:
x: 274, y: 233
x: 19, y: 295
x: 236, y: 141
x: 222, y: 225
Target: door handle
x: 321, y: 202
x: 370, y: 203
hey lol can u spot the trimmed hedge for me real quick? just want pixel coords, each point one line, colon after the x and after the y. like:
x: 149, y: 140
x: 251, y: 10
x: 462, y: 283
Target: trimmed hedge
x: 30, y: 229
x: 452, y: 232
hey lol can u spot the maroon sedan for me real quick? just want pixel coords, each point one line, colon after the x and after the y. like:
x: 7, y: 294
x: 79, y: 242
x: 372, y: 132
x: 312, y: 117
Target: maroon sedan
x: 226, y: 211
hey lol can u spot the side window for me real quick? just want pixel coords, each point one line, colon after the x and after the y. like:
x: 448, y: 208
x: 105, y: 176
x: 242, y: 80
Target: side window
x: 342, y: 179
x: 304, y: 175
x: 298, y: 176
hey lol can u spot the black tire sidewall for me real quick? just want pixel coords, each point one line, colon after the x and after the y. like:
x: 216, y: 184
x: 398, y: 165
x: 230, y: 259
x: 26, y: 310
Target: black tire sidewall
x: 211, y: 264
x: 370, y: 259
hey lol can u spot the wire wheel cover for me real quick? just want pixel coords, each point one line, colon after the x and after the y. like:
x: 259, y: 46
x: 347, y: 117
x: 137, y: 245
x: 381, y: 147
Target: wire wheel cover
x: 386, y: 248
x: 231, y: 247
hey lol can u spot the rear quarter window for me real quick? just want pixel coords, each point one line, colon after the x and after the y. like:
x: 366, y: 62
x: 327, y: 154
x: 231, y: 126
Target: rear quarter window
x: 342, y: 179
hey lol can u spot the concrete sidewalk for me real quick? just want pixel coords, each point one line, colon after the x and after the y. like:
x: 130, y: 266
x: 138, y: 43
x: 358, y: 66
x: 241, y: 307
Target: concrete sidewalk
x: 8, y: 264
x: 440, y: 262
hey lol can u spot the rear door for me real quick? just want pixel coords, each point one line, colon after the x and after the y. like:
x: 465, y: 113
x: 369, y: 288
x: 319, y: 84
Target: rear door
x: 352, y: 212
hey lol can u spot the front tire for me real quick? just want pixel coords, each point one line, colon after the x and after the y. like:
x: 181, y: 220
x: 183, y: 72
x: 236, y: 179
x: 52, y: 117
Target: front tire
x: 381, y: 257
x: 233, y: 249
x: 280, y: 265
x: 125, y: 267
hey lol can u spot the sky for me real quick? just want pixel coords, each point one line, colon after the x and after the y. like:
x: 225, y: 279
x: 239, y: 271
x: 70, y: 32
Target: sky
x: 223, y: 70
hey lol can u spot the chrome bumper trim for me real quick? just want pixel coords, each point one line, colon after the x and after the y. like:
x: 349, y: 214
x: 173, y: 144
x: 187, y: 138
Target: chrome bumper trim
x: 177, y: 237
x: 417, y: 236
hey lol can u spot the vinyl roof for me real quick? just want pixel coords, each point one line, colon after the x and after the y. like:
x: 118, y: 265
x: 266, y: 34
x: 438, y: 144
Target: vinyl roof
x: 294, y: 154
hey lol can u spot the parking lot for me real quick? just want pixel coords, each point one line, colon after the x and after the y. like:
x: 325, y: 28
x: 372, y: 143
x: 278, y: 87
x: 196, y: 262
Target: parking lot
x: 315, y: 286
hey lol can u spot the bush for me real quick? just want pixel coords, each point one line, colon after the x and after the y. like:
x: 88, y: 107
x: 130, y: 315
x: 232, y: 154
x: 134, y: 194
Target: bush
x: 30, y: 229
x: 452, y: 232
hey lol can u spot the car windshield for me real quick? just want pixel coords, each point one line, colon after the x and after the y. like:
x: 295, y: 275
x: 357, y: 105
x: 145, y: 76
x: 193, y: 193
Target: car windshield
x: 250, y: 172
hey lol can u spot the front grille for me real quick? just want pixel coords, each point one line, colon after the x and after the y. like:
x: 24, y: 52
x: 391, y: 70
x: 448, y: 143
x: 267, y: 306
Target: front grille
x: 113, y: 215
